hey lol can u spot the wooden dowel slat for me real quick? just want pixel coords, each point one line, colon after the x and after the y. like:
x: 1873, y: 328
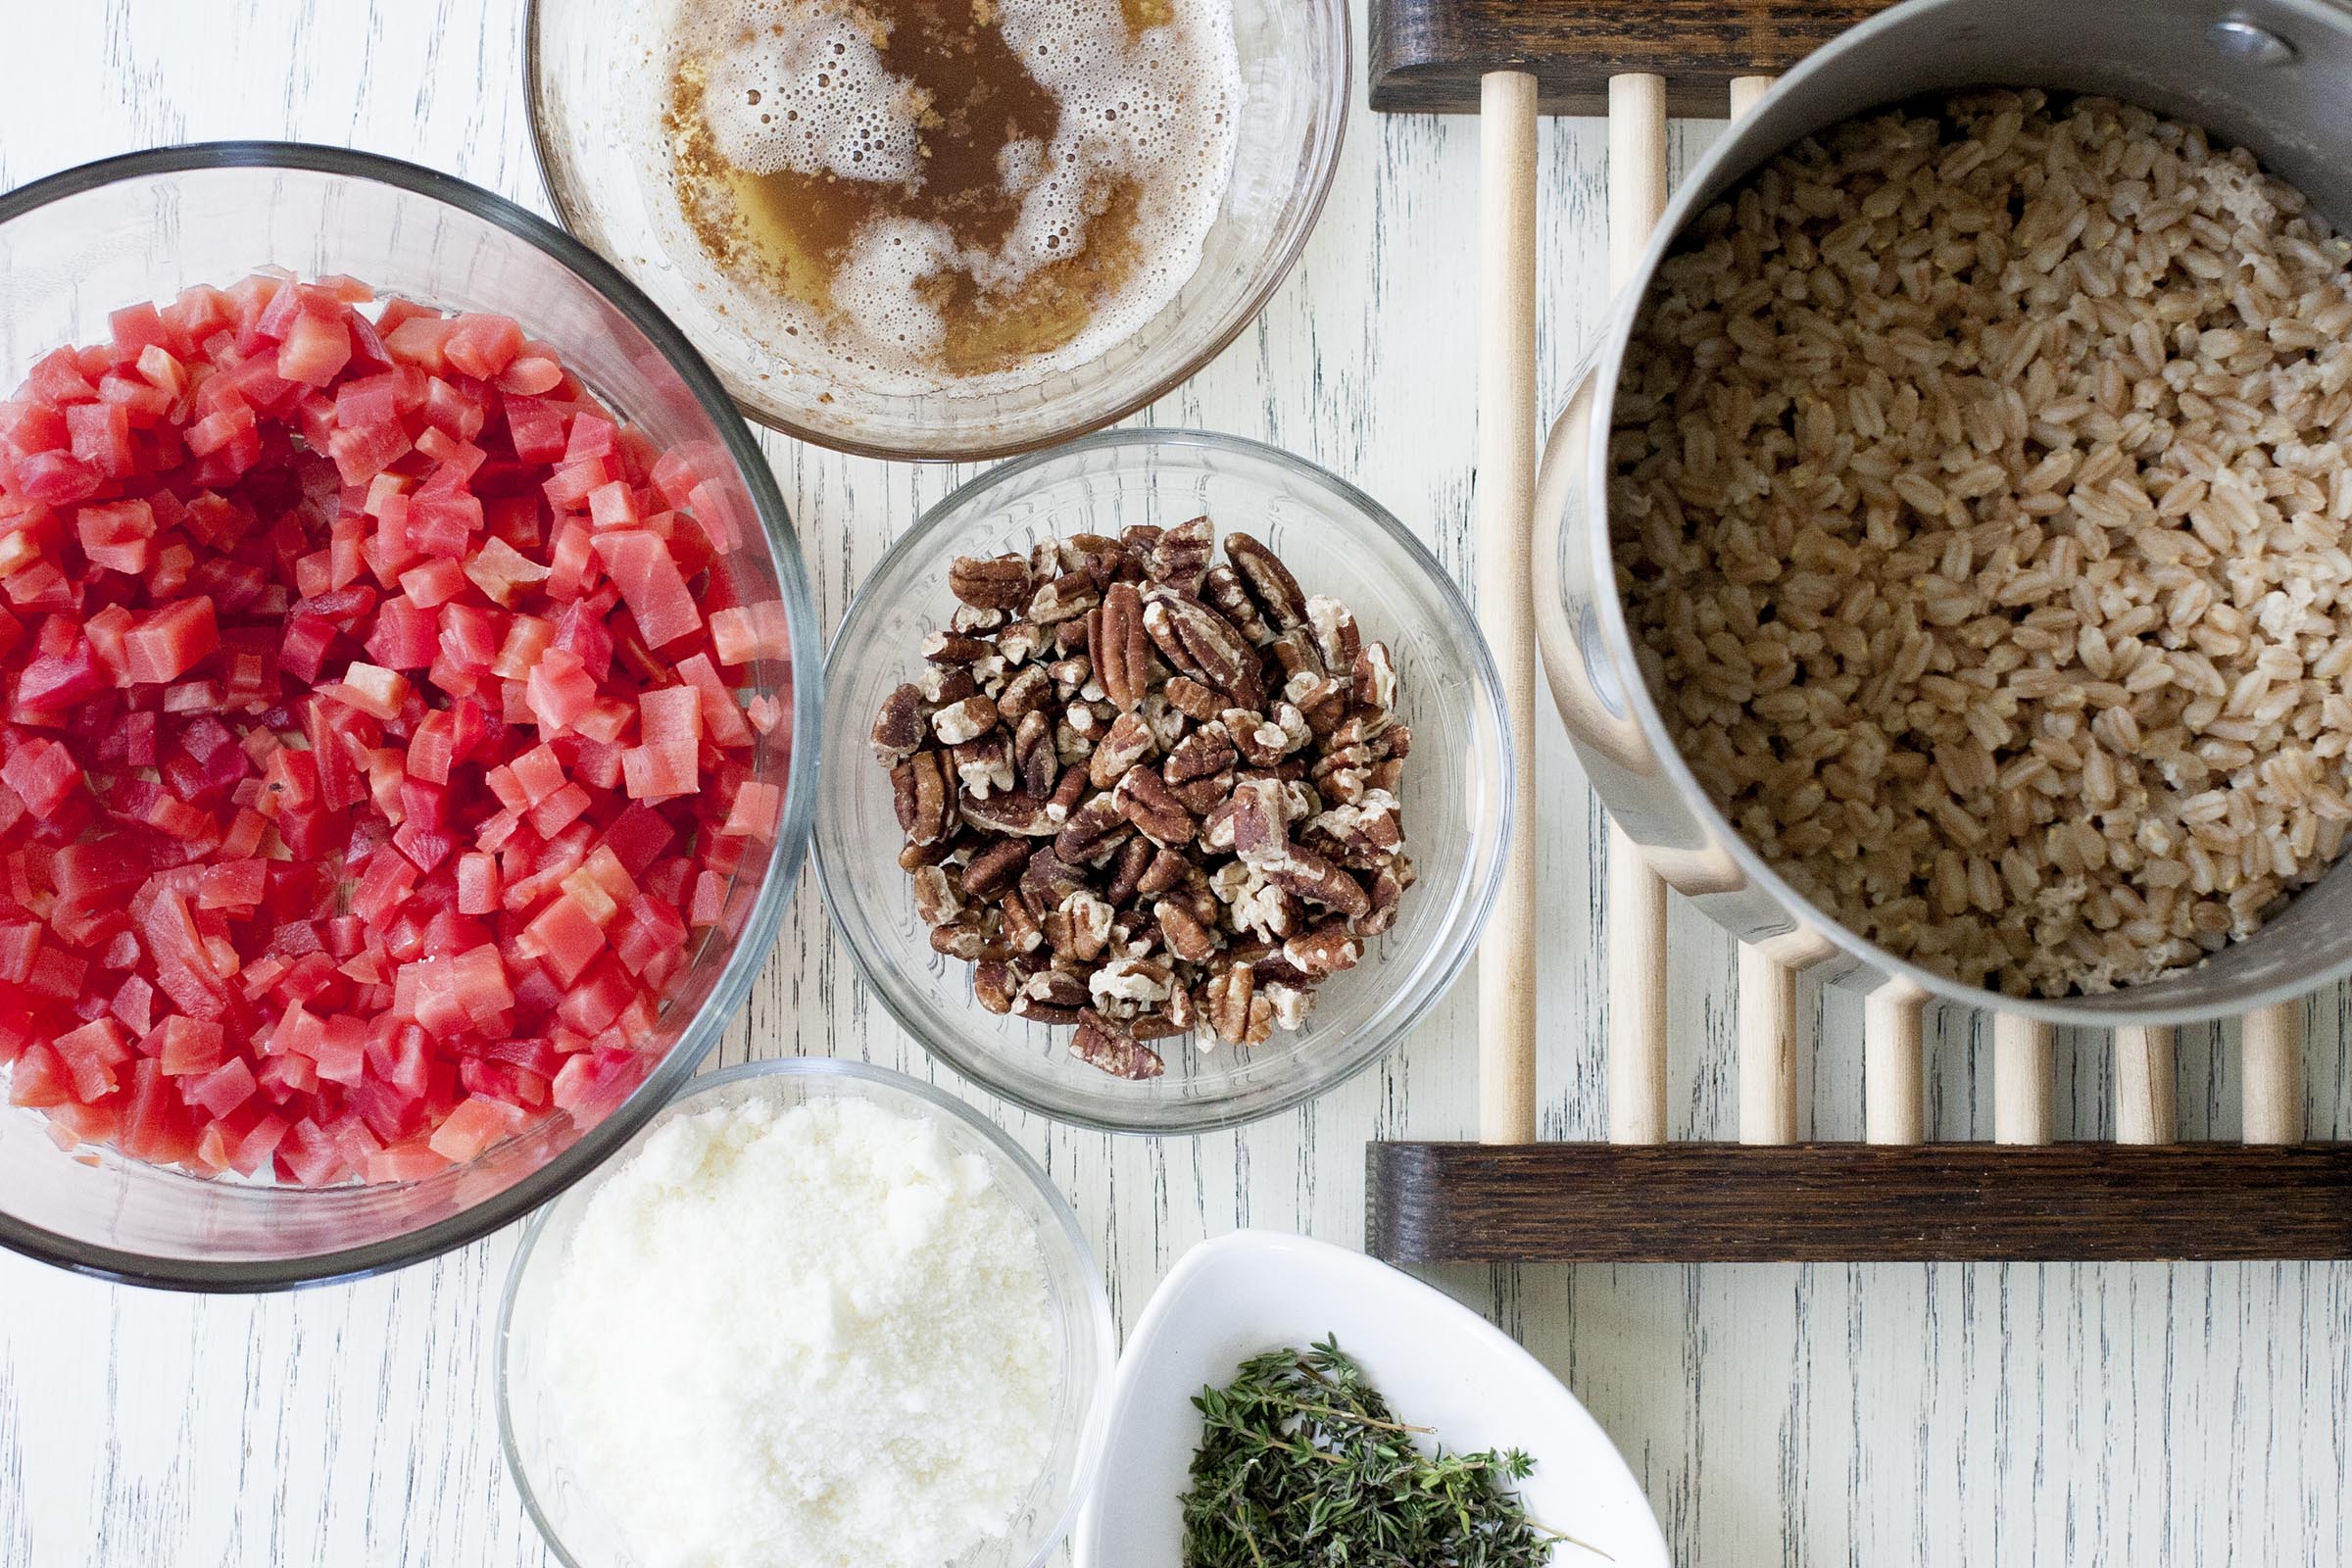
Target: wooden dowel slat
x: 1637, y: 908
x: 1895, y: 1107
x: 1767, y: 1049
x: 1637, y: 967
x: 1857, y: 1203
x: 2147, y: 1085
x: 1746, y: 90
x: 2272, y: 1093
x: 1507, y: 480
x: 1637, y: 175
x: 2021, y: 1080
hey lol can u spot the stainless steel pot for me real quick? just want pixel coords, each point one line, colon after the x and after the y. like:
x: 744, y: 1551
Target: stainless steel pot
x: 2274, y: 75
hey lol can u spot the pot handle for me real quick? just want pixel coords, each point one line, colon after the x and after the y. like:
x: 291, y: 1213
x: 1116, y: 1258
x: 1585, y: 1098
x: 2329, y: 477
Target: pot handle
x: 1590, y: 718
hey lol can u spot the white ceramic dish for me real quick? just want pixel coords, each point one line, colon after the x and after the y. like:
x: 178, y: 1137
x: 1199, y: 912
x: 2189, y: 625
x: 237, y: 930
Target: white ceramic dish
x: 1439, y: 1365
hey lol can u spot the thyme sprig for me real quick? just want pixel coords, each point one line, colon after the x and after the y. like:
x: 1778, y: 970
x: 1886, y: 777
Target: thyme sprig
x: 1302, y: 1464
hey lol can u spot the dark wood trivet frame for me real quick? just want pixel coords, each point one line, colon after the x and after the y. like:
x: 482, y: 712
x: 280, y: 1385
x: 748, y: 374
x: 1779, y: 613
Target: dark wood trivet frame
x: 1768, y: 1198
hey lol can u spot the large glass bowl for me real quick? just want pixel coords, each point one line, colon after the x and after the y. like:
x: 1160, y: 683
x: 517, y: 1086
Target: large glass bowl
x: 567, y: 1508
x: 597, y: 73
x: 73, y: 247
x: 1338, y: 541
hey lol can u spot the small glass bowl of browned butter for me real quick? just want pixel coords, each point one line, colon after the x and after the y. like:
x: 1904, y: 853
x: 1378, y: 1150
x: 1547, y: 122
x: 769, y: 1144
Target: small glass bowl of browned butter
x: 943, y: 228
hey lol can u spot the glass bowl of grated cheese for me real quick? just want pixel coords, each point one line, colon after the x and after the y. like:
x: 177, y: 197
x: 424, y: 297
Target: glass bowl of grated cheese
x: 814, y: 1313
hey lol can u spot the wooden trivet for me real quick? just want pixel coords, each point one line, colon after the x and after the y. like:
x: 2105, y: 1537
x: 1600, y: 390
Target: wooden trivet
x: 1509, y: 1197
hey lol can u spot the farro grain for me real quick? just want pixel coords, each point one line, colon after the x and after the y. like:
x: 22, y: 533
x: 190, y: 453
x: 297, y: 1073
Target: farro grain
x: 1981, y: 490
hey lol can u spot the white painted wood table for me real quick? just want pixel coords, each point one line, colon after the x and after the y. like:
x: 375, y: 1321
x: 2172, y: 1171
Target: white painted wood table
x: 1778, y: 1416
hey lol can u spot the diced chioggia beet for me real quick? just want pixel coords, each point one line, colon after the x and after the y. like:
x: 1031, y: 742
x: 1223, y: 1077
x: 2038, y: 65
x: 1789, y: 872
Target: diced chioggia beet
x: 371, y: 760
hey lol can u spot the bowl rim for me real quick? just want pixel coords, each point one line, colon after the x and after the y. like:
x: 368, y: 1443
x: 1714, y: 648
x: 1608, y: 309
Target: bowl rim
x: 860, y: 1077
x: 1324, y: 156
x: 750, y: 950
x: 972, y: 1062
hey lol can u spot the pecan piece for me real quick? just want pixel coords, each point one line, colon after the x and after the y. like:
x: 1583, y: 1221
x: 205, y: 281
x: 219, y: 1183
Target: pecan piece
x: 1028, y: 692
x: 991, y: 987
x: 1180, y: 557
x: 1375, y: 677
x: 969, y: 938
x: 1093, y: 832
x: 901, y: 725
x: 1319, y: 698
x: 996, y: 868
x: 984, y: 766
x: 1023, y: 932
x: 1144, y: 797
x: 1034, y: 756
x: 1229, y: 1001
x: 1224, y: 589
x: 1186, y: 937
x: 1366, y: 833
x: 1052, y: 996
x: 1020, y: 815
x: 962, y: 721
x: 1120, y: 648
x: 1205, y: 752
x: 1128, y: 743
x: 1344, y: 774
x: 1193, y: 699
x: 1066, y: 597
x: 1048, y: 879
x: 1086, y: 920
x: 1204, y: 644
x: 1295, y: 653
x: 1291, y: 1003
x: 1022, y: 641
x: 1136, y: 859
x: 1066, y: 794
x: 924, y: 795
x: 1387, y: 892
x: 1324, y: 951
x: 1336, y: 640
x: 1126, y: 987
x: 1261, y: 741
x: 1100, y: 1042
x: 955, y: 647
x: 943, y: 684
x: 1259, y: 825
x: 1270, y: 582
x: 1309, y: 877
x: 936, y: 901
x: 1000, y: 582
x: 1170, y: 869
x: 1201, y: 796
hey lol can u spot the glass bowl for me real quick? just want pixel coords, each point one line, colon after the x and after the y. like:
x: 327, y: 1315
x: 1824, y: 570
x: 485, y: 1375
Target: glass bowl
x: 582, y: 1534
x: 73, y: 247
x: 1338, y: 541
x: 596, y: 71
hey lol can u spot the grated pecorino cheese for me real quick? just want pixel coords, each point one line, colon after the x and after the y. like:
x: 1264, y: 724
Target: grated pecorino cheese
x: 812, y: 1335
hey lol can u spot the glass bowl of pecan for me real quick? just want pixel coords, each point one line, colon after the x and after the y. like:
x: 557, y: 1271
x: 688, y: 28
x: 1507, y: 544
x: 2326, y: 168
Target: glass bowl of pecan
x: 1169, y: 783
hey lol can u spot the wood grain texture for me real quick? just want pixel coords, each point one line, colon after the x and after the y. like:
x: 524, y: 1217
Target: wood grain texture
x: 1858, y: 1204
x: 1779, y: 1417
x: 1428, y: 55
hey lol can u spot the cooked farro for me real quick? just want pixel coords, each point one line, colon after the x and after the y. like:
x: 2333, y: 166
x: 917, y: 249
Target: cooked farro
x: 1981, y: 489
